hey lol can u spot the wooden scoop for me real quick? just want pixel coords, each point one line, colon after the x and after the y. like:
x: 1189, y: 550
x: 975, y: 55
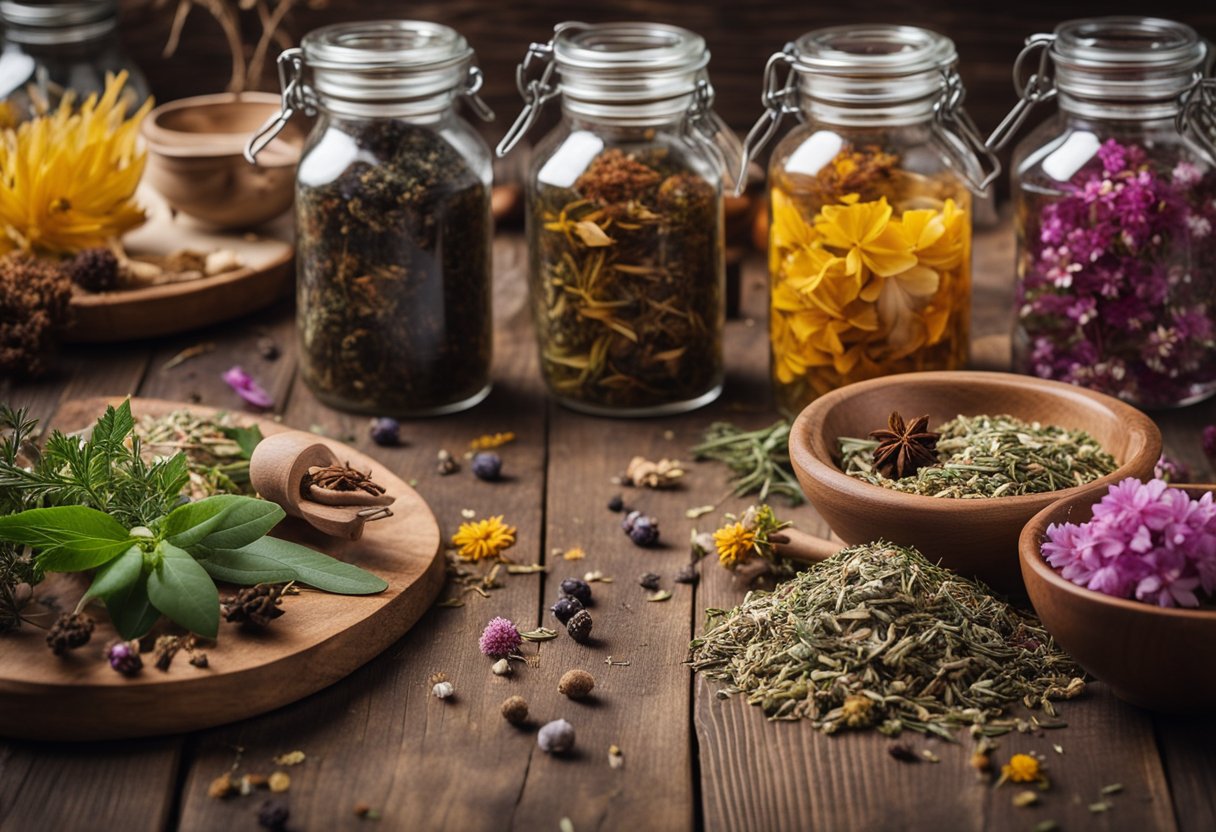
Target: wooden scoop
x: 278, y: 471
x: 795, y: 545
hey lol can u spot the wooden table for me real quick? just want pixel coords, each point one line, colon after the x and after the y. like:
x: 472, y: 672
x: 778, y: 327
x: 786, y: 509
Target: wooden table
x: 691, y: 760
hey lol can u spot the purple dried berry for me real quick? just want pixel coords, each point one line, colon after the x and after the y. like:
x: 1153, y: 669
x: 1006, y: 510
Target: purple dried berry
x: 124, y: 657
x: 577, y: 588
x: 642, y: 529
x: 487, y: 465
x: 273, y: 814
x: 386, y: 431
x: 565, y: 608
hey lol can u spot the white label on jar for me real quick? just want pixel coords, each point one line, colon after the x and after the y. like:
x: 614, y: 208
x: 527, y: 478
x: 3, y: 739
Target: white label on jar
x: 1063, y: 162
x: 571, y: 159
x: 814, y: 153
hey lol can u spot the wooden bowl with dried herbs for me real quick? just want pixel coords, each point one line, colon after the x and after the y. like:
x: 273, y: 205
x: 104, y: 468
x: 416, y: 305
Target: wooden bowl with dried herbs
x: 994, y: 450
x: 1158, y: 657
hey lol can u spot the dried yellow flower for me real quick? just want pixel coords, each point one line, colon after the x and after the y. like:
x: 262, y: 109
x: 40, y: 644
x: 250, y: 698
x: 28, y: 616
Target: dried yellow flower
x: 857, y: 710
x: 291, y: 758
x: 482, y: 539
x: 69, y: 177
x: 735, y: 544
x: 576, y: 553
x: 1022, y: 768
x: 279, y: 782
x: 489, y: 441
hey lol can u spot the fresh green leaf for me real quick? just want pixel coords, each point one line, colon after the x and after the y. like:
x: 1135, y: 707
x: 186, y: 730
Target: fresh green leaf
x: 114, y: 426
x: 170, y: 476
x: 131, y: 612
x: 271, y: 560
x: 69, y: 538
x: 246, y: 438
x: 115, y: 577
x: 225, y: 521
x: 181, y: 589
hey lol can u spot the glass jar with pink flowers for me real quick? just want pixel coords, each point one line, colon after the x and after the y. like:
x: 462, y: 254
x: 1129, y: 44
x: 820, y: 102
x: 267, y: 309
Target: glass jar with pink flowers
x: 1115, y: 200
x: 870, y: 207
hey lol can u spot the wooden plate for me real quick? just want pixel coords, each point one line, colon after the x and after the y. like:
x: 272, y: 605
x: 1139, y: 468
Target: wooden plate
x: 320, y: 639
x: 128, y: 315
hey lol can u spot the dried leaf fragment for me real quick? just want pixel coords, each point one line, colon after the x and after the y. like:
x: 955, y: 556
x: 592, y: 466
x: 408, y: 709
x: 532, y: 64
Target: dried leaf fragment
x: 291, y: 758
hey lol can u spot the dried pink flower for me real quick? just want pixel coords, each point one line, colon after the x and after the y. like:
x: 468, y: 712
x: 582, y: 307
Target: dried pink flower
x: 248, y: 389
x: 500, y: 638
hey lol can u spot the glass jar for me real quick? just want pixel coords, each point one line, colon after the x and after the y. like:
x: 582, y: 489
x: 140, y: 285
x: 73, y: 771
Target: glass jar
x: 870, y: 208
x: 1115, y: 199
x: 393, y: 227
x: 624, y: 218
x: 53, y: 47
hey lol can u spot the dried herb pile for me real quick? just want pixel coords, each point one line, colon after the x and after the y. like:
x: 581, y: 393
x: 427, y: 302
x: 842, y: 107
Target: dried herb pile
x: 393, y: 297
x: 627, y: 271
x: 878, y: 636
x: 216, y: 448
x: 990, y: 456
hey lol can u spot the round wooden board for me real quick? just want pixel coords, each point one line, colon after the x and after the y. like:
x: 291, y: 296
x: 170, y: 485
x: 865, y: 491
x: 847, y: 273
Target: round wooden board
x: 320, y: 639
x: 151, y: 312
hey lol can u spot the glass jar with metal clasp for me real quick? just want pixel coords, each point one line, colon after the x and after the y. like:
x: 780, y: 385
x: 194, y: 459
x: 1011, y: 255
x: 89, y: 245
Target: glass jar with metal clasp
x: 870, y: 207
x: 625, y: 217
x: 1115, y: 205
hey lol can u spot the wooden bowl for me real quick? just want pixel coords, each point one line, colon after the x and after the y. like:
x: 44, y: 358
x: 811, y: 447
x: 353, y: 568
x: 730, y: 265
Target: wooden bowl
x: 1159, y: 658
x: 972, y: 537
x: 195, y: 162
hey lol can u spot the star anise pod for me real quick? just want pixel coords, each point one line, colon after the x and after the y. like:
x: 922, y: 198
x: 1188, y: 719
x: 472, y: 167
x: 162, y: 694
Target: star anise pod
x: 903, y: 449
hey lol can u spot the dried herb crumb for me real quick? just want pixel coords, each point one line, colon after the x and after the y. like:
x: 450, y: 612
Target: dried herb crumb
x: 902, y: 752
x: 650, y: 581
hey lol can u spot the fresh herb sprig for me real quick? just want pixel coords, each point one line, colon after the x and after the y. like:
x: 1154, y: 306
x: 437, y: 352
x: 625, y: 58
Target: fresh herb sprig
x: 760, y: 459
x: 18, y: 568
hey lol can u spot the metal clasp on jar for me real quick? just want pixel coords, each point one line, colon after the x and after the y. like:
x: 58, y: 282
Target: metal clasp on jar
x: 536, y: 92
x: 1038, y: 87
x: 292, y: 98
x: 780, y: 97
x: 955, y: 122
x: 713, y: 134
x: 1198, y: 113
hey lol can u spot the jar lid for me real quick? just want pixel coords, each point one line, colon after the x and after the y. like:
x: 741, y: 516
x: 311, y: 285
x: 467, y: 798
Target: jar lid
x: 1126, y: 58
x: 383, y: 60
x: 53, y: 22
x: 874, y: 64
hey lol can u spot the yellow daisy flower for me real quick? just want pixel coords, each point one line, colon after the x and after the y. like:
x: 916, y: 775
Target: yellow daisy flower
x: 482, y: 539
x: 1022, y: 768
x: 734, y: 543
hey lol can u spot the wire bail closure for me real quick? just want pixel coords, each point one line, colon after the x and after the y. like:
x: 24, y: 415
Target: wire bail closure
x: 536, y: 92
x: 953, y: 120
x: 1198, y: 113
x: 780, y: 98
x: 1039, y: 86
x: 291, y: 68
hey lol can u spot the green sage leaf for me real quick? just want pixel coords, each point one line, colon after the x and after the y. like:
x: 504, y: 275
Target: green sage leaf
x: 130, y: 610
x: 271, y: 560
x: 181, y: 589
x: 225, y: 521
x: 246, y: 438
x: 68, y: 538
x: 115, y: 577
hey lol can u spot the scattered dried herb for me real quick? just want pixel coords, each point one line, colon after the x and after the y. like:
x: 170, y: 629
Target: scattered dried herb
x: 759, y: 459
x: 666, y: 473
x: 217, y: 448
x: 928, y: 649
x: 627, y: 283
x: 393, y: 299
x: 34, y: 298
x: 989, y: 456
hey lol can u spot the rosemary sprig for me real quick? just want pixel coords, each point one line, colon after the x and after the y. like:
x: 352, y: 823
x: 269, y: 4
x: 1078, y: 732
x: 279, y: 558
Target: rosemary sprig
x: 760, y: 459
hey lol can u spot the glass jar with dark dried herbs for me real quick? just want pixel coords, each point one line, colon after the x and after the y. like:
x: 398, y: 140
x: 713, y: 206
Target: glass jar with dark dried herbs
x: 625, y: 223
x: 392, y: 218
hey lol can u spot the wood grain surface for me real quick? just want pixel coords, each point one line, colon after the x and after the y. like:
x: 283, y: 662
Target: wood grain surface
x: 691, y: 760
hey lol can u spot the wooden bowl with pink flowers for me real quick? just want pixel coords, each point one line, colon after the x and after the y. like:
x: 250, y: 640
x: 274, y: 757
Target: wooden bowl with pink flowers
x: 1160, y: 658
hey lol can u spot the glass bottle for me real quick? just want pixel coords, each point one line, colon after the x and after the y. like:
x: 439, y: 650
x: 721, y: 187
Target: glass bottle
x: 624, y: 218
x: 870, y: 207
x: 53, y: 47
x: 393, y: 227
x: 1115, y: 200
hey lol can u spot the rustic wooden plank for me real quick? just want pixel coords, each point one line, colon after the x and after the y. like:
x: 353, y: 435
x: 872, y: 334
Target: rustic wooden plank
x: 1188, y: 749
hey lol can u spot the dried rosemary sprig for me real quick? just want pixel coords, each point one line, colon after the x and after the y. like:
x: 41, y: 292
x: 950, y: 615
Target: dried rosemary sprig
x: 878, y: 636
x: 991, y: 456
x: 760, y: 459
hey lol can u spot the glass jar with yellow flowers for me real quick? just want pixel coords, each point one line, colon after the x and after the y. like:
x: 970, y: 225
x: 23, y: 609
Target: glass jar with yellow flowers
x: 625, y: 218
x: 870, y: 208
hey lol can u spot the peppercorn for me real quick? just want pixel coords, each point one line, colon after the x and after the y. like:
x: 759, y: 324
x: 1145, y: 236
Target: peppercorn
x: 616, y: 503
x: 515, y: 710
x: 487, y: 465
x: 273, y: 814
x: 577, y: 588
x: 579, y: 627
x: 556, y: 737
x: 576, y: 684
x: 70, y: 631
x: 642, y: 529
x: 566, y: 608
x: 94, y: 269
x: 386, y: 432
x: 649, y: 580
x: 124, y: 658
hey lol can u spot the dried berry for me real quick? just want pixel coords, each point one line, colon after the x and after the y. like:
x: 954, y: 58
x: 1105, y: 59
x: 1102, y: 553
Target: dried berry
x: 70, y: 631
x: 515, y: 710
x: 649, y: 580
x: 576, y: 684
x: 616, y: 503
x: 94, y: 269
x: 577, y: 588
x: 642, y: 529
x: 274, y: 814
x: 386, y: 432
x: 257, y: 605
x: 565, y: 608
x: 124, y: 658
x: 487, y: 465
x: 556, y: 737
x: 579, y: 627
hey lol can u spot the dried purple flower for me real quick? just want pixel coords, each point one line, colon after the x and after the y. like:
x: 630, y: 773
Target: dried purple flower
x: 248, y: 389
x: 500, y: 638
x: 1171, y: 470
x: 124, y: 657
x: 642, y: 529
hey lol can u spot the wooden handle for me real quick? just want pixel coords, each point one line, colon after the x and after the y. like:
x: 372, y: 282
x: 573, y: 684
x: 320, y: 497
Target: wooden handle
x: 795, y: 545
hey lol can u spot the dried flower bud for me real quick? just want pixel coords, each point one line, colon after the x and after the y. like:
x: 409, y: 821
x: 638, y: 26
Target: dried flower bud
x: 254, y: 605
x: 70, y: 631
x: 386, y: 432
x: 650, y: 581
x: 577, y: 588
x: 443, y: 690
x: 94, y: 269
x: 487, y: 465
x: 515, y: 710
x: 565, y: 608
x: 556, y: 737
x: 124, y: 658
x: 446, y: 463
x: 642, y: 529
x: 579, y: 627
x: 273, y: 815
x: 576, y: 684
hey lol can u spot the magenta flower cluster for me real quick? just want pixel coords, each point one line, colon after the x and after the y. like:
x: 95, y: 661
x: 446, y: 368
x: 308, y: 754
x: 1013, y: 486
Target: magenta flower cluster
x: 1117, y: 279
x: 1146, y: 541
x: 500, y: 638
